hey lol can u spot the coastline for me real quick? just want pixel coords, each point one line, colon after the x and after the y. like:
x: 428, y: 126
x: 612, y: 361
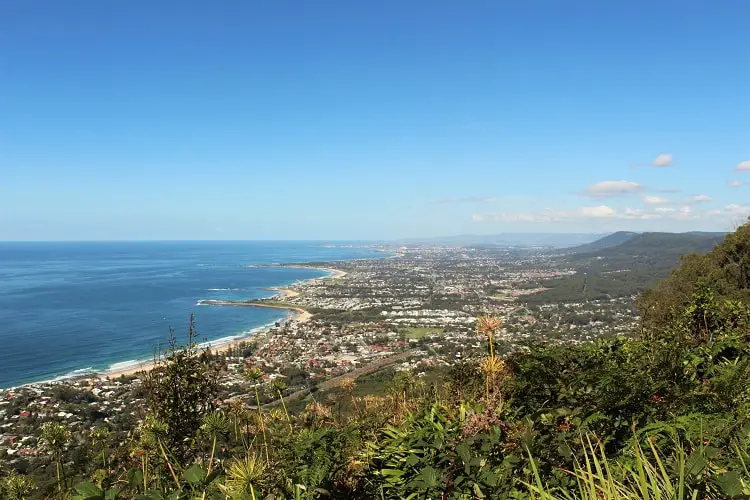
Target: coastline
x: 218, y: 346
x: 302, y: 314
x: 332, y: 273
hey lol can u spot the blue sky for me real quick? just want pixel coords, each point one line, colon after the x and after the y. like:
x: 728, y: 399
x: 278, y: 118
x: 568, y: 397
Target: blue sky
x: 363, y: 120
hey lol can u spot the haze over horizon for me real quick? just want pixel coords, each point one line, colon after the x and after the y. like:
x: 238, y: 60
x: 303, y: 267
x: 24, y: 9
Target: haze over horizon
x: 341, y: 121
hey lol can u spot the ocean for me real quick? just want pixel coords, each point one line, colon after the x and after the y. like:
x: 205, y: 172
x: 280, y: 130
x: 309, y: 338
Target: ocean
x: 72, y: 308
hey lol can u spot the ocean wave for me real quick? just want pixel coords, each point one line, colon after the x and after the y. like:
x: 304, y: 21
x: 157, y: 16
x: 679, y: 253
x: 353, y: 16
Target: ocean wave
x: 81, y: 372
x: 136, y: 363
x: 218, y: 342
x: 223, y: 289
x: 221, y: 342
x: 124, y: 365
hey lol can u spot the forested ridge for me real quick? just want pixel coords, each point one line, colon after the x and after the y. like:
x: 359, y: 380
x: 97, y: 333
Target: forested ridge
x: 623, y: 264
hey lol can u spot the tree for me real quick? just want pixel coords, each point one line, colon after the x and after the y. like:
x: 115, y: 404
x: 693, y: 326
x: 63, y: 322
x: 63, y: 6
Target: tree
x: 181, y: 390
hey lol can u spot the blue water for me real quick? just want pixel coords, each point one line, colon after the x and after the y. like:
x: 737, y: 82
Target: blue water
x: 76, y: 306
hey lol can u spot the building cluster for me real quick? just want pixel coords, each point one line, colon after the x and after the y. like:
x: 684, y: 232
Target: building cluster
x: 81, y: 405
x: 417, y: 309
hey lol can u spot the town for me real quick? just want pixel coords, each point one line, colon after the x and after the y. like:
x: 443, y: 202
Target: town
x: 411, y: 311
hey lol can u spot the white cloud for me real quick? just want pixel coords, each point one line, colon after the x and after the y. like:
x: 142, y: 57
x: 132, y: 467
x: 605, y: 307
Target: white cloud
x: 743, y: 166
x: 738, y: 183
x: 654, y: 200
x: 599, y: 212
x: 636, y: 214
x: 660, y: 200
x: 595, y: 212
x: 548, y: 215
x: 663, y: 160
x: 735, y: 209
x: 737, y: 214
x: 686, y: 213
x: 612, y: 188
x: 605, y: 212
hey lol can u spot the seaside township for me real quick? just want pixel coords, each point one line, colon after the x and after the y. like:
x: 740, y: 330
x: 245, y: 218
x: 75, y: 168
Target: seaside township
x: 414, y: 311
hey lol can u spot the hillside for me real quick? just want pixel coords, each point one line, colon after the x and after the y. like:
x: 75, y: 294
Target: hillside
x: 623, y: 270
x: 724, y: 272
x: 655, y: 250
x: 611, y: 240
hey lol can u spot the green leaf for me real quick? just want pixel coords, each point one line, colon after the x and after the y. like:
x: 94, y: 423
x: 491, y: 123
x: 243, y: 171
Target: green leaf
x: 89, y: 491
x: 730, y: 484
x: 135, y: 478
x: 564, y: 450
x: 711, y: 452
x: 464, y: 452
x: 491, y: 478
x: 112, y: 494
x: 194, y: 474
x: 477, y: 491
x: 392, y: 472
x: 695, y: 464
x: 151, y: 495
x: 428, y: 477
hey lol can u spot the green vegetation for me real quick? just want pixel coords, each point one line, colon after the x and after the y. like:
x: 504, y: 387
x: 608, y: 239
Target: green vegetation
x: 418, y: 332
x: 342, y: 316
x: 607, y: 270
x: 273, y: 303
x: 662, y: 415
x: 181, y: 390
x: 584, y: 287
x: 611, y: 240
x: 502, y: 298
x: 658, y: 247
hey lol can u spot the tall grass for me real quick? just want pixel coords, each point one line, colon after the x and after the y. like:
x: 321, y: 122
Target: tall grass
x: 646, y: 474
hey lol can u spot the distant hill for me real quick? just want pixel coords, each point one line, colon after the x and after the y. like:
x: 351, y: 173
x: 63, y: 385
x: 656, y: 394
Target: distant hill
x: 656, y: 250
x: 636, y: 264
x: 611, y: 240
x: 719, y: 234
x: 556, y: 240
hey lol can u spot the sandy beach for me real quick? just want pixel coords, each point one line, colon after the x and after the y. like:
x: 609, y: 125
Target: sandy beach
x: 145, y: 366
x: 300, y: 315
x: 335, y: 273
x: 332, y: 273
